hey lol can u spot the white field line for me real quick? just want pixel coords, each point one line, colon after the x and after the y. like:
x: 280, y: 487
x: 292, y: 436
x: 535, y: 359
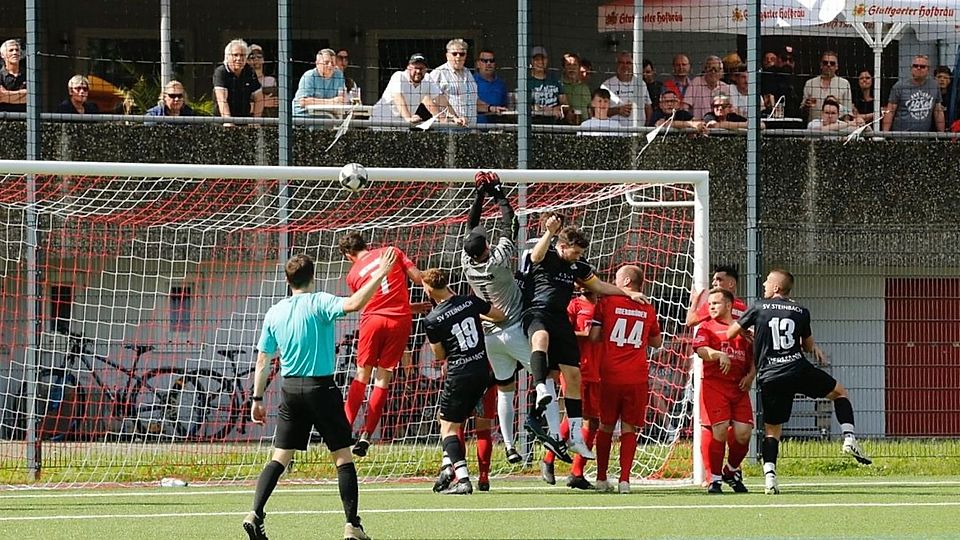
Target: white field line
x: 618, y: 508
x: 502, y: 487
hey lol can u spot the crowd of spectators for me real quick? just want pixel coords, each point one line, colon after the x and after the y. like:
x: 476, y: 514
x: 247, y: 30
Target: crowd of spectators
x: 710, y: 96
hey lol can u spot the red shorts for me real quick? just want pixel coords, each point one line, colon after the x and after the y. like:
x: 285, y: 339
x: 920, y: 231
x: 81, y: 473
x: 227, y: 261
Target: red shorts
x: 590, y: 399
x: 624, y: 402
x: 382, y: 341
x: 723, y: 404
x: 487, y: 408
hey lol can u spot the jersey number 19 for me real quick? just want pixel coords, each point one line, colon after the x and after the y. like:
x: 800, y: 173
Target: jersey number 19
x: 467, y: 335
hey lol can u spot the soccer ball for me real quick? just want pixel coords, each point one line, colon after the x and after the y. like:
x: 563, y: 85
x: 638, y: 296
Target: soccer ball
x: 353, y: 177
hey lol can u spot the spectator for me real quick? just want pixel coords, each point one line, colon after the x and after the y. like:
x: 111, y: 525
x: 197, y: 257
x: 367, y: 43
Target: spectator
x: 343, y: 62
x: 578, y: 93
x: 322, y: 85
x: 235, y: 85
x: 776, y: 80
x: 78, y: 88
x: 730, y: 62
x: 830, y: 118
x: 670, y: 104
x: 680, y: 79
x: 626, y: 91
x: 546, y: 92
x: 267, y: 83
x: 654, y: 87
x: 586, y: 71
x: 173, y: 102
x: 13, y: 81
x: 409, y: 97
x: 704, y: 88
x: 599, y: 121
x: 457, y: 83
x: 492, y: 95
x: 722, y: 115
x: 827, y: 84
x: 914, y: 105
x: 738, y: 90
x: 944, y: 77
x: 863, y: 97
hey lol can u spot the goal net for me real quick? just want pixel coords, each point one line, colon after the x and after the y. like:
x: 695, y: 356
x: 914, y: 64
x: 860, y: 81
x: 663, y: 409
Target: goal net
x: 133, y: 297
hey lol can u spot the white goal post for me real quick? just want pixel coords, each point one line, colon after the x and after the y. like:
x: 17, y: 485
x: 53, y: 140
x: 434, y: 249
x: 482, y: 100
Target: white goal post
x: 133, y: 296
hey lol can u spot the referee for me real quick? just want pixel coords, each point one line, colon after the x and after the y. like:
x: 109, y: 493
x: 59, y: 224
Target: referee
x: 302, y: 327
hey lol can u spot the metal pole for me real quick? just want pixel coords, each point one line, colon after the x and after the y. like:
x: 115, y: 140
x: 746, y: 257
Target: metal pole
x: 285, y: 126
x: 637, y: 59
x: 701, y: 264
x: 523, y: 140
x: 754, y: 254
x: 166, y: 62
x: 31, y: 357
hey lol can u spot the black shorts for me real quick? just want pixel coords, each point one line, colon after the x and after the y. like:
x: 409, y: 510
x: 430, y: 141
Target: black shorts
x: 311, y: 402
x: 460, y: 395
x: 776, y: 396
x: 563, y: 349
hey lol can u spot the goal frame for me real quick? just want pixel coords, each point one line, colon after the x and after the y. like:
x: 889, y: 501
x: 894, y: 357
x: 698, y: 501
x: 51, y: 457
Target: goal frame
x: 698, y: 180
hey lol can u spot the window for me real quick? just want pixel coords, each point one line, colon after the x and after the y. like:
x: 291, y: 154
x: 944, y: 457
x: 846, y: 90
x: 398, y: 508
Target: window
x: 61, y: 304
x: 181, y: 301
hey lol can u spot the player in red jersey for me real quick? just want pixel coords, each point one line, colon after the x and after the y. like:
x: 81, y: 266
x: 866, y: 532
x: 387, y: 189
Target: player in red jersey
x: 724, y: 277
x: 622, y: 330
x: 384, y: 327
x: 728, y: 372
x: 580, y: 313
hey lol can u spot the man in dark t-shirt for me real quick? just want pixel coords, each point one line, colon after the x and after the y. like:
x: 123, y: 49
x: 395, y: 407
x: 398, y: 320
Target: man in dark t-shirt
x: 13, y: 81
x: 454, y: 329
x: 782, y: 334
x: 235, y: 84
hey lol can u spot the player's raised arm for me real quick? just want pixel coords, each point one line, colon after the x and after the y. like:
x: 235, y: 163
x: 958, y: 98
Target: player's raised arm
x: 360, y: 298
x: 551, y: 227
x: 495, y: 189
x: 480, y: 193
x: 696, y: 299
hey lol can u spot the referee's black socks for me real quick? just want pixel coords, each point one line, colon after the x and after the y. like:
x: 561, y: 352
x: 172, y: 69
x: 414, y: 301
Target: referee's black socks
x: 349, y: 494
x: 265, y: 484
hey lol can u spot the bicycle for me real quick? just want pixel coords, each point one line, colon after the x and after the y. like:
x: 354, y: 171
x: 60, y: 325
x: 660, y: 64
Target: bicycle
x: 148, y: 404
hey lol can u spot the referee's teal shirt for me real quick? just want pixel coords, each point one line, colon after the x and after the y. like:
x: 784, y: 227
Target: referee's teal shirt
x: 301, y: 327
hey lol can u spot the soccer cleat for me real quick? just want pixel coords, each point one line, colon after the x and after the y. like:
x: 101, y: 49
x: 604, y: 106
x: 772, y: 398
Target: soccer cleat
x: 360, y: 447
x: 513, y: 457
x: 559, y: 449
x: 623, y: 487
x: 443, y: 479
x: 546, y: 472
x: 483, y: 485
x: 716, y: 488
x: 850, y: 446
x: 579, y: 482
x: 603, y: 486
x: 253, y: 524
x: 463, y: 487
x: 535, y: 428
x: 354, y: 532
x: 577, y: 446
x: 734, y: 479
x: 770, y: 484
x: 543, y: 399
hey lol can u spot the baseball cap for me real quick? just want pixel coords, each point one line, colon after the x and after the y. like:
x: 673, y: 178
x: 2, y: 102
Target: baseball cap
x: 417, y: 58
x: 786, y: 53
x: 476, y: 242
x: 538, y: 50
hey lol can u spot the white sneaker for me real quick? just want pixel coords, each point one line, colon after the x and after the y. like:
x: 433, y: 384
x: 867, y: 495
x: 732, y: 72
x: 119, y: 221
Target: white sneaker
x: 577, y: 446
x: 771, y: 486
x: 623, y: 488
x: 603, y: 486
x: 850, y: 446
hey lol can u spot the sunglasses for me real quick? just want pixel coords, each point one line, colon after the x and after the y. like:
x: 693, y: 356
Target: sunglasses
x: 255, y: 56
x: 488, y: 60
x: 175, y: 96
x: 920, y: 66
x: 721, y: 105
x: 828, y: 63
x: 457, y: 53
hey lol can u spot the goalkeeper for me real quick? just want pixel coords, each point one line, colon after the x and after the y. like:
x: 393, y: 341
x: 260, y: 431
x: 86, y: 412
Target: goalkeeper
x: 488, y: 270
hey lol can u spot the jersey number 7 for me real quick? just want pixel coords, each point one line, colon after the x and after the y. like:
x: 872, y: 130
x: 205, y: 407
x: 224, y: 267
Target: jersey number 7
x: 620, y: 337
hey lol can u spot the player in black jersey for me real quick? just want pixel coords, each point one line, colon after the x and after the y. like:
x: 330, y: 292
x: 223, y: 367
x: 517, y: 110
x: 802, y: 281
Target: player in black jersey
x: 781, y: 335
x: 455, y: 333
x: 549, y: 287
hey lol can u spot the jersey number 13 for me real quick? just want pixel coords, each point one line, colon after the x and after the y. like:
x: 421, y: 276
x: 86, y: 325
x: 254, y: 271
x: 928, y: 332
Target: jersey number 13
x: 782, y: 332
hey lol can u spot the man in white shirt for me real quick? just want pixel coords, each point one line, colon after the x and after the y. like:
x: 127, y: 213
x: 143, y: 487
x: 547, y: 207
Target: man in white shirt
x: 406, y: 92
x: 599, y: 121
x: 456, y: 82
x: 627, y: 93
x: 816, y: 90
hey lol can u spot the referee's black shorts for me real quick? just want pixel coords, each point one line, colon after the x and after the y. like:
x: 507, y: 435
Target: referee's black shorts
x: 461, y: 393
x: 311, y: 402
x: 563, y: 349
x: 776, y: 396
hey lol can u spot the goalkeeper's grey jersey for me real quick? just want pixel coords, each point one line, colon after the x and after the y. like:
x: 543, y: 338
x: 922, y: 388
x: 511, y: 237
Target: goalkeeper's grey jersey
x: 493, y: 281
